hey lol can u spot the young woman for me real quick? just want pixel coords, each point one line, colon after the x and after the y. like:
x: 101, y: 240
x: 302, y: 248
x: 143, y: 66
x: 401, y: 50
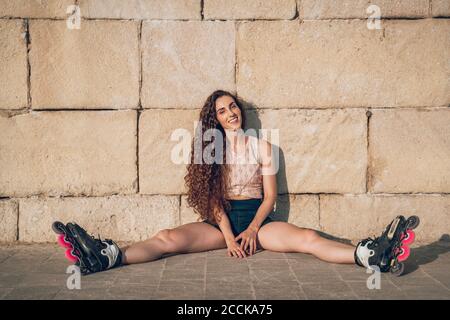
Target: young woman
x: 233, y: 197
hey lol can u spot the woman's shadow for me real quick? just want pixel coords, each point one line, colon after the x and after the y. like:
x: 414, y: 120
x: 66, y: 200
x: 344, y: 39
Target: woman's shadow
x: 282, y: 205
x: 253, y: 127
x: 426, y: 254
x: 419, y: 256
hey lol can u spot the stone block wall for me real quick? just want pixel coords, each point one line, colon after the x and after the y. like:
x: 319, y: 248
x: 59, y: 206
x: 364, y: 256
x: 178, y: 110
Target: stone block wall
x: 86, y: 114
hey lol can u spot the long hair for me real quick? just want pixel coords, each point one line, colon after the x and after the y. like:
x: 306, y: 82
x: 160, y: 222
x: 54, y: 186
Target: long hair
x: 207, y: 183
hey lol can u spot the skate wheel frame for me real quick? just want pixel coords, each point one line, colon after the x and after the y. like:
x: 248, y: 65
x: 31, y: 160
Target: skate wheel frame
x: 71, y: 253
x: 402, y: 251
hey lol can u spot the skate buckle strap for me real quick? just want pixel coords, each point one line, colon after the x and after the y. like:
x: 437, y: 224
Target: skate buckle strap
x: 393, y: 228
x: 364, y: 253
x: 112, y: 252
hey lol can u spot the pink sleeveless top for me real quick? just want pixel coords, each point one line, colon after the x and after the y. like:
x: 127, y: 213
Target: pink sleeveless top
x: 245, y: 174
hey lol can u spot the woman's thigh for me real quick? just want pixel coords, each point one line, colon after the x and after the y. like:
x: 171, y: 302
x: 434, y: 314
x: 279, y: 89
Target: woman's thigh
x: 196, y: 237
x: 285, y: 237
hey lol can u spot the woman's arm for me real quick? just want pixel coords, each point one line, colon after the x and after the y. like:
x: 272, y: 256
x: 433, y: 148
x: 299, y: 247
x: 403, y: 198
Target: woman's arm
x: 269, y: 170
x: 225, y: 226
x: 263, y: 211
x: 233, y: 248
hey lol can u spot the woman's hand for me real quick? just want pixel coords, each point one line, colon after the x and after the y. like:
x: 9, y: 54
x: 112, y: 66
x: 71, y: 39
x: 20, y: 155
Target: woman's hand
x: 234, y: 250
x: 248, y: 239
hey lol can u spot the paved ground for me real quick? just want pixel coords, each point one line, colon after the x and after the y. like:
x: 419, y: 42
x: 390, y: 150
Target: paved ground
x: 38, y: 272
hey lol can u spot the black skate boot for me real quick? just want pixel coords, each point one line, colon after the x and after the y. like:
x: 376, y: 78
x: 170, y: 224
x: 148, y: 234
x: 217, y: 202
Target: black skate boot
x: 89, y: 253
x: 391, y: 249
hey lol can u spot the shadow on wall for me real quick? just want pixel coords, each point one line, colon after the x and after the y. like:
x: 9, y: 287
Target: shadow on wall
x: 253, y: 122
x: 419, y: 256
x: 282, y: 207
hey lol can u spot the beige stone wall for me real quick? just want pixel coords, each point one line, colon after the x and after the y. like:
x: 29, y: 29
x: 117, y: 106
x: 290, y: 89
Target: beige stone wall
x: 87, y: 115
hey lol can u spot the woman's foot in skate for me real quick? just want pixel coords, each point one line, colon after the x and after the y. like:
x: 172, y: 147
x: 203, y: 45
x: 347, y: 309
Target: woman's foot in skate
x: 89, y: 253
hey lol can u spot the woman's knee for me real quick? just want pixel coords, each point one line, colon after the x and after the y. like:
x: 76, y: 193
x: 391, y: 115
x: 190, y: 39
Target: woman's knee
x: 311, y: 237
x: 170, y: 240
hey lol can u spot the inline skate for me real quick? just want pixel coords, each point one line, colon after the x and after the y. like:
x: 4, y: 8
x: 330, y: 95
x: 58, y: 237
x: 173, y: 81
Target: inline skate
x: 88, y: 253
x: 391, y: 249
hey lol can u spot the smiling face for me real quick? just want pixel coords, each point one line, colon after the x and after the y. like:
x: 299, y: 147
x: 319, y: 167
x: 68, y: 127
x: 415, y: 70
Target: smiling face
x: 228, y: 113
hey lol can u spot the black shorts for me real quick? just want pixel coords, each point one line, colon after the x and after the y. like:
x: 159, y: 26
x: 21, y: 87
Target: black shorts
x: 242, y: 214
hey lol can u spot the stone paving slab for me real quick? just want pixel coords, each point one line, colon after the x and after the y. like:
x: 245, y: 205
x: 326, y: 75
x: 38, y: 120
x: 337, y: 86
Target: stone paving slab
x: 37, y: 271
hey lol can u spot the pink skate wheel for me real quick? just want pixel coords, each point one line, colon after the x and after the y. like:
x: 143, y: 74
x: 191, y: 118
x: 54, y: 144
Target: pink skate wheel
x: 404, y: 254
x: 63, y: 243
x: 409, y: 237
x: 70, y: 256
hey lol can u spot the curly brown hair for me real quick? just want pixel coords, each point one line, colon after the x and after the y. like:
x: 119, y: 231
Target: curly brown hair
x: 206, y: 183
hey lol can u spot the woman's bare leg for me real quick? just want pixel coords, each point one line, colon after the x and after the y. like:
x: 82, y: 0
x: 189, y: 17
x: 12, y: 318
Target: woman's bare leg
x: 285, y: 237
x: 191, y: 237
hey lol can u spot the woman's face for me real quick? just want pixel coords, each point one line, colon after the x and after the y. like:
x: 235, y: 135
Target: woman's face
x: 228, y: 113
